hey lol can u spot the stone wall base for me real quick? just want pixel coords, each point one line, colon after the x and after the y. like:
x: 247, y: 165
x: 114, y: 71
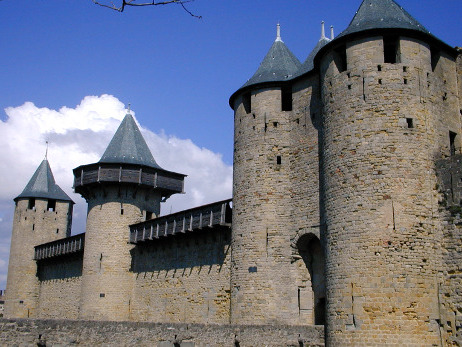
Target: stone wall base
x: 41, y: 332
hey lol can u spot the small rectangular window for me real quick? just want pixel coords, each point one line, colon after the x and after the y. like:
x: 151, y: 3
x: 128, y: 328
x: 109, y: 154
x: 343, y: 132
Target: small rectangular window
x: 435, y: 57
x: 51, y: 206
x: 148, y: 215
x: 278, y: 160
x: 286, y: 98
x: 247, y: 102
x: 341, y: 58
x: 410, y: 123
x: 452, y: 143
x: 391, y: 49
x: 31, y: 205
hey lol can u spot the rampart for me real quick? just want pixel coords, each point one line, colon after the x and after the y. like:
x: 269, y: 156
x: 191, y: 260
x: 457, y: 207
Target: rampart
x: 37, y: 332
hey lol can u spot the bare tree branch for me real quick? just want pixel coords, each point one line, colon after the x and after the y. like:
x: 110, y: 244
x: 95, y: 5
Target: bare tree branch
x: 133, y: 3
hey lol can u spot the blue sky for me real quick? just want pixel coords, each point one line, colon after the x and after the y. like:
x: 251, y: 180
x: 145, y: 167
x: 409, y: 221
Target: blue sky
x: 176, y: 71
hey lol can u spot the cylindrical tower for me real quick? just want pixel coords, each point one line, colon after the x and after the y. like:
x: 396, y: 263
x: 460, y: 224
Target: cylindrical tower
x: 261, y: 253
x: 43, y: 213
x: 125, y: 187
x: 379, y: 141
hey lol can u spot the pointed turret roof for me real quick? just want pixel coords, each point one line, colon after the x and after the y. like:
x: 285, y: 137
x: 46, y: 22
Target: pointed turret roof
x: 128, y: 146
x: 382, y: 14
x: 308, y: 64
x: 42, y: 185
x: 278, y: 65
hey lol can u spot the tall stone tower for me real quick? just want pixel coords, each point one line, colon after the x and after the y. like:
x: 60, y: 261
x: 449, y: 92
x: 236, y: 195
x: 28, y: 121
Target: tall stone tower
x: 43, y: 213
x: 262, y: 192
x: 125, y: 187
x: 390, y: 109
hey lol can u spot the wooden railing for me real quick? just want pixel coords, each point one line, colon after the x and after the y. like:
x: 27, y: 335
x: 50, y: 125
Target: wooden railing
x: 101, y: 172
x: 198, y: 218
x: 60, y: 247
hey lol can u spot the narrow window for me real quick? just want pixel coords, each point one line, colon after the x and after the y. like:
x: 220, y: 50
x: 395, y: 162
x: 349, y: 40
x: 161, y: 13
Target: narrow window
x: 380, y: 81
x: 286, y: 98
x: 31, y: 205
x: 379, y: 67
x: 435, y: 57
x: 246, y: 100
x: 33, y: 227
x: 278, y: 160
x: 51, y: 206
x: 57, y: 231
x: 341, y: 58
x: 148, y: 215
x: 452, y: 142
x: 121, y: 211
x: 275, y: 124
x: 410, y: 123
x: 391, y: 49
x: 405, y: 81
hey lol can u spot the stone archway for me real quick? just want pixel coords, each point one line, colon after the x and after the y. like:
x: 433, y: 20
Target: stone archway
x: 310, y: 250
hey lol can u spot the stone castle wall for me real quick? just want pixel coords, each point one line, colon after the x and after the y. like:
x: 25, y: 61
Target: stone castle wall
x: 23, y: 332
x: 183, y: 279
x: 60, y: 287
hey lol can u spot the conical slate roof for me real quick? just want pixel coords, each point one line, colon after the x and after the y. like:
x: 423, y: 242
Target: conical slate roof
x: 128, y: 146
x: 382, y: 14
x: 278, y: 65
x: 42, y: 185
x: 308, y: 64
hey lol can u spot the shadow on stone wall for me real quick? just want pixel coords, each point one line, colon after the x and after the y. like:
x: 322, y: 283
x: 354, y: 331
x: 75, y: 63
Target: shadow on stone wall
x: 60, y: 268
x: 183, y: 251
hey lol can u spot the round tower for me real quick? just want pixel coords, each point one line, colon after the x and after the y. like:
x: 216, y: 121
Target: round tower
x: 379, y: 140
x: 43, y: 213
x: 125, y: 187
x: 262, y: 193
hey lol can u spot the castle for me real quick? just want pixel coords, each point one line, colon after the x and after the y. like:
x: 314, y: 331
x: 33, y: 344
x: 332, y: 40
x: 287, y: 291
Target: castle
x: 346, y: 207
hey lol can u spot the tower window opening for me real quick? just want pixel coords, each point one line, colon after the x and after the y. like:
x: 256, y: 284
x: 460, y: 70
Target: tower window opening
x: 286, y: 98
x: 275, y: 124
x: 51, y: 206
x: 379, y: 67
x: 405, y: 81
x: 278, y: 160
x: 149, y: 215
x: 391, y: 49
x: 247, y: 102
x: 31, y: 205
x: 121, y: 211
x: 33, y: 227
x: 435, y: 57
x: 410, y: 123
x: 452, y: 143
x: 380, y: 81
x: 341, y: 58
x: 404, y: 68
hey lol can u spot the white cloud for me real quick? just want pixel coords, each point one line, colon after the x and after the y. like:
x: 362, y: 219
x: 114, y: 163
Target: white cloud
x: 79, y: 136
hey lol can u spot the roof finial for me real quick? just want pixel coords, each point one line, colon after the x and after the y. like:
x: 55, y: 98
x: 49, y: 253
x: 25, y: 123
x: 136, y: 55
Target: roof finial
x: 278, y: 32
x: 128, y: 110
x: 331, y: 32
x: 46, y: 151
x: 323, y: 32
